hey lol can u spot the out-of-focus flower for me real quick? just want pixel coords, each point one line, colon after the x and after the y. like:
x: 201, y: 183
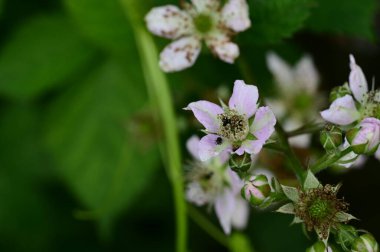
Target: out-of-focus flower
x: 213, y: 183
x: 298, y: 101
x: 202, y: 20
x: 229, y: 128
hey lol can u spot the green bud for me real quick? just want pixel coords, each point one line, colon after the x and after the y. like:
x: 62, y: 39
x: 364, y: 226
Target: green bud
x: 338, y: 92
x: 256, y: 190
x: 345, y: 236
x: 240, y: 164
x: 331, y: 137
x: 365, y: 243
x: 317, y: 247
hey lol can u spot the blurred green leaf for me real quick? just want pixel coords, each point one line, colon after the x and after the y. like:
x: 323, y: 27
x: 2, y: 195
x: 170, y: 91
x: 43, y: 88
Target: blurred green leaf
x: 103, y: 151
x: 41, y: 54
x: 240, y: 243
x: 273, y: 20
x: 102, y: 21
x: 352, y: 18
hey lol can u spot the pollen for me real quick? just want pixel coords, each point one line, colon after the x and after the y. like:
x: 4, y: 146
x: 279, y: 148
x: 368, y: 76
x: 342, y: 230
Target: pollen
x: 233, y: 126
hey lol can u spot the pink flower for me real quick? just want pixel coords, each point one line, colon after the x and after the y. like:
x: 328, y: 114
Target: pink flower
x: 229, y: 127
x: 366, y: 138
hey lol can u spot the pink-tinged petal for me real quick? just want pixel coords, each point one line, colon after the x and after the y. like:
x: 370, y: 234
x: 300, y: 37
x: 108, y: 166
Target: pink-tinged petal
x: 244, y: 98
x: 169, y: 22
x: 263, y: 124
x: 306, y: 75
x: 206, y: 113
x: 180, y: 54
x: 222, y: 47
x: 350, y: 159
x: 236, y: 182
x: 206, y: 5
x: 224, y: 208
x: 192, y: 146
x: 282, y: 72
x: 342, y: 111
x: 251, y: 147
x: 357, y: 81
x: 235, y: 15
x: 241, y: 214
x: 377, y: 154
x: 209, y: 148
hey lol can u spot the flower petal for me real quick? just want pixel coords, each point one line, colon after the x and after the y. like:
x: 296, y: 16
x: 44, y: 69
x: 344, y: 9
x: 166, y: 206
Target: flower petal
x: 282, y: 72
x: 244, y: 98
x: 235, y: 15
x: 377, y: 154
x: 306, y: 75
x: 342, y: 111
x: 196, y: 195
x: 301, y: 141
x: 224, y: 208
x: 206, y: 113
x: 208, y: 147
x: 180, y: 54
x: 206, y: 5
x: 251, y: 147
x: 222, y: 47
x: 240, y: 215
x: 357, y: 81
x: 263, y: 124
x: 169, y: 22
x: 192, y: 146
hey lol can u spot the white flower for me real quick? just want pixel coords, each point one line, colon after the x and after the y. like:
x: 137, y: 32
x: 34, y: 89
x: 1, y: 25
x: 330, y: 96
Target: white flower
x: 202, y: 20
x: 213, y: 183
x: 298, y: 100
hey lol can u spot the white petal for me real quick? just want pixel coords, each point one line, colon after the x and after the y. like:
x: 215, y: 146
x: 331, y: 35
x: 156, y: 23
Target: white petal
x: 206, y: 5
x: 342, y: 111
x: 235, y: 15
x: 306, y: 75
x: 251, y: 147
x: 300, y: 141
x: 357, y: 81
x: 244, y: 98
x: 208, y: 147
x: 169, y: 22
x: 224, y: 208
x: 241, y: 214
x: 282, y: 72
x: 180, y: 54
x: 222, y: 47
x: 206, y: 113
x: 192, y: 146
x: 196, y: 195
x: 263, y: 125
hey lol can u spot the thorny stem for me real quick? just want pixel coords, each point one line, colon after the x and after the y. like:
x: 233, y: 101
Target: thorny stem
x: 161, y: 98
x: 329, y: 159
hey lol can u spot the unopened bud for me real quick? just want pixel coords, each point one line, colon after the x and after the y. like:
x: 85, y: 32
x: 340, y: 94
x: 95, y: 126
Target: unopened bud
x: 365, y: 243
x: 256, y: 190
x: 317, y: 247
x: 365, y: 139
x: 240, y: 163
x: 331, y: 137
x: 338, y: 92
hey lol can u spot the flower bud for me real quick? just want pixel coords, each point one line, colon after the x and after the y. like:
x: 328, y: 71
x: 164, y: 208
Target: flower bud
x: 317, y: 247
x: 331, y: 137
x: 365, y: 243
x: 366, y: 138
x: 256, y: 190
x: 240, y: 163
x: 338, y: 92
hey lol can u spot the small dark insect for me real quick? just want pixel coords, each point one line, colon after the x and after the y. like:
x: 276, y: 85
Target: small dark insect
x: 208, y: 176
x: 219, y: 141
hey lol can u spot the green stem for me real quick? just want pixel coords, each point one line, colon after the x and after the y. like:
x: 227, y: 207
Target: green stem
x: 296, y: 165
x: 329, y: 159
x: 309, y: 128
x: 208, y: 226
x: 158, y: 89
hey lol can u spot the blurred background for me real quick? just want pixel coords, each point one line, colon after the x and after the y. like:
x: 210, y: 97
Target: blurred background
x: 80, y: 168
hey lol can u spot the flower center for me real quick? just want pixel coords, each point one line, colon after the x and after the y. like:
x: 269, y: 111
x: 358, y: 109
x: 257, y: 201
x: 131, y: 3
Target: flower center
x: 203, y: 23
x: 371, y: 105
x: 233, y: 126
x: 303, y: 101
x: 319, y: 209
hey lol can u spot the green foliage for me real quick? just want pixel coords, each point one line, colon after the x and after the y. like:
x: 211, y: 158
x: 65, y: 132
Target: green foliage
x: 104, y: 22
x: 352, y: 18
x: 89, y: 133
x: 40, y: 55
x: 273, y: 20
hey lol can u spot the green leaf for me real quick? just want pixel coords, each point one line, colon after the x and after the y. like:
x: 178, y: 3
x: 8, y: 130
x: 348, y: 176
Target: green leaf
x: 352, y: 18
x: 275, y: 19
x: 104, y: 22
x: 240, y: 243
x: 311, y: 181
x: 291, y: 193
x: 286, y: 209
x: 40, y: 55
x: 104, y: 158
